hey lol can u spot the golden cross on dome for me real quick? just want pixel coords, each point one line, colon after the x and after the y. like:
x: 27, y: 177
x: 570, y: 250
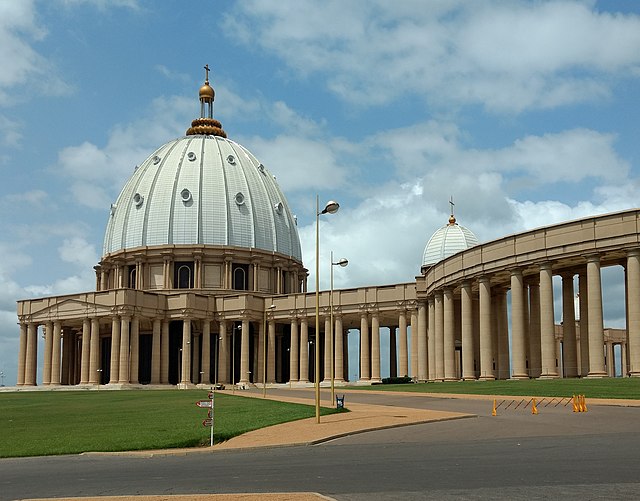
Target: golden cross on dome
x: 206, y: 67
x: 451, y: 203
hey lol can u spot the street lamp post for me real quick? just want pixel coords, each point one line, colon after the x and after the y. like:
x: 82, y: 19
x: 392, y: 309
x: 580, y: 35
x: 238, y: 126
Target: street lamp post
x: 264, y: 350
x: 342, y: 263
x: 331, y: 208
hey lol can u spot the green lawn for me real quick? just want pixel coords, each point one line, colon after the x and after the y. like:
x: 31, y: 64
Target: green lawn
x: 591, y: 388
x: 69, y: 422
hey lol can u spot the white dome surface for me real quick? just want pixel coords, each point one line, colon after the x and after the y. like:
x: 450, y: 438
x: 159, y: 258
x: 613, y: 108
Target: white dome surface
x: 202, y: 189
x: 446, y: 241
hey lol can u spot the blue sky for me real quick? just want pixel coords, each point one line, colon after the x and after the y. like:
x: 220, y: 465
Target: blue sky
x: 525, y: 112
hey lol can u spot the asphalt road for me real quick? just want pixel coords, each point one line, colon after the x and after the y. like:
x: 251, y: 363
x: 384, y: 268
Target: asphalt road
x: 515, y: 455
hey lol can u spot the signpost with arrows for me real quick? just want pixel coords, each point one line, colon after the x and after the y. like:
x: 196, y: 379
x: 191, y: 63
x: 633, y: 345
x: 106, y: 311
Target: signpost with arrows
x: 208, y: 404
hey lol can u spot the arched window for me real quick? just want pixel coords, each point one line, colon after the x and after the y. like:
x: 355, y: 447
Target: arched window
x: 240, y: 277
x: 183, y: 276
x: 132, y: 277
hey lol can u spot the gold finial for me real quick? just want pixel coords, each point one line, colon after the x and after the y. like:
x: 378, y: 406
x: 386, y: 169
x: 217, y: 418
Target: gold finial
x: 207, y: 94
x: 206, y: 124
x: 452, y: 218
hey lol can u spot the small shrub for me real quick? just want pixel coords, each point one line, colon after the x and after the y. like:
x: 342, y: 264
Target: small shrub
x: 397, y: 380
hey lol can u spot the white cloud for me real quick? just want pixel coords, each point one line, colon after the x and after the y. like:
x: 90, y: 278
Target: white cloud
x: 506, y: 56
x: 23, y: 67
x: 102, y: 4
x: 96, y: 174
x: 300, y: 163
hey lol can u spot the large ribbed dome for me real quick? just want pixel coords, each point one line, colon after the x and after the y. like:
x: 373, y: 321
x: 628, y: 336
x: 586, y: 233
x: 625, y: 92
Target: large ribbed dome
x: 446, y: 241
x: 202, y: 190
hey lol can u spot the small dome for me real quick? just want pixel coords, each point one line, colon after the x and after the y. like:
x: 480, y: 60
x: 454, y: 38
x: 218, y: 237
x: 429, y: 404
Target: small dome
x: 206, y: 91
x: 446, y: 241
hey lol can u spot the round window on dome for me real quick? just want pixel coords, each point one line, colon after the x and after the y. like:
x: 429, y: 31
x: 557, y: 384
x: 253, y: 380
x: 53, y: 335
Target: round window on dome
x: 231, y: 159
x: 185, y: 195
x: 239, y: 198
x: 278, y: 207
x: 156, y: 160
x: 191, y: 156
x: 138, y: 200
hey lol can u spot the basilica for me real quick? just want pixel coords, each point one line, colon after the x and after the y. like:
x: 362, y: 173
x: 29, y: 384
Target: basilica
x: 201, y: 281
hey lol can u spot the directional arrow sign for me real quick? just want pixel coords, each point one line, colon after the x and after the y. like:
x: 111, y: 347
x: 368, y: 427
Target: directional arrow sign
x: 204, y: 403
x: 207, y: 422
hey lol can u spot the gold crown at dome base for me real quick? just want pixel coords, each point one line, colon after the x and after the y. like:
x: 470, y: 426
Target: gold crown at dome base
x: 206, y: 126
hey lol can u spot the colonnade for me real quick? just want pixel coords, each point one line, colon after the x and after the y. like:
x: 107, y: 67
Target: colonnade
x: 473, y: 313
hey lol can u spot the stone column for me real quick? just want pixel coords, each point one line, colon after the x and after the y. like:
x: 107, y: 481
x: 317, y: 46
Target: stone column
x: 31, y: 355
x: 48, y: 347
x: 271, y: 352
x: 583, y: 301
x: 486, y: 345
x: 205, y: 355
x: 449, y: 336
x: 94, y: 356
x: 414, y: 343
x: 431, y: 338
x: 155, y: 351
x: 404, y: 351
x: 423, y: 370
x: 185, y: 369
x: 535, y: 353
x: 596, y: 326
x: 547, y: 323
x: 223, y: 357
x: 86, y: 351
x: 502, y: 333
x: 304, y: 350
x: 375, y: 348
x: 466, y: 305
x: 633, y: 302
x: 115, y: 350
x: 195, y: 357
x: 365, y: 356
x: 339, y: 347
x: 294, y: 354
x: 393, y: 353
x: 570, y: 355
x: 67, y: 343
x: 123, y: 373
x: 439, y: 339
x: 345, y: 358
x: 135, y: 350
x: 519, y: 362
x: 55, y: 355
x: 244, y: 353
x: 22, y: 354
x: 259, y: 350
x: 610, y: 362
x: 164, y: 352
x: 327, y: 349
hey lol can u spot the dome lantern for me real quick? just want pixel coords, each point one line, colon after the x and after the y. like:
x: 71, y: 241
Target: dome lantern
x: 206, y: 124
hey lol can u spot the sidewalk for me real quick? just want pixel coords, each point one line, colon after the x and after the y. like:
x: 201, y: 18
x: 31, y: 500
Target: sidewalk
x: 360, y: 418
